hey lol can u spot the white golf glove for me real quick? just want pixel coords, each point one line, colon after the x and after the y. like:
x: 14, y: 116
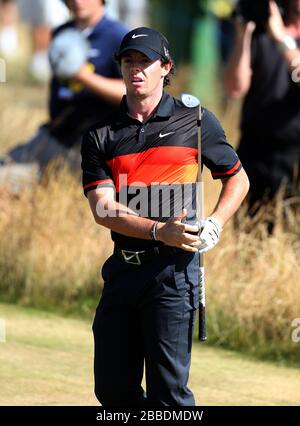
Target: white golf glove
x: 210, y: 234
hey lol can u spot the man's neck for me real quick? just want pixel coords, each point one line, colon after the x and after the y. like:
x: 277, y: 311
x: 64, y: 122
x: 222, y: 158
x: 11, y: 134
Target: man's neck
x: 142, y: 108
x: 91, y: 21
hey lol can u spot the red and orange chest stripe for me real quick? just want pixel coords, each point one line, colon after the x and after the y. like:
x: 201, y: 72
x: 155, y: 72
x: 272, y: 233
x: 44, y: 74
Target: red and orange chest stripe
x: 164, y: 164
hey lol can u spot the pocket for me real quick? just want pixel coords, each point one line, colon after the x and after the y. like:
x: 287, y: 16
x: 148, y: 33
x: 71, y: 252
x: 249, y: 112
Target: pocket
x: 193, y: 272
x: 105, y: 269
x: 187, y: 278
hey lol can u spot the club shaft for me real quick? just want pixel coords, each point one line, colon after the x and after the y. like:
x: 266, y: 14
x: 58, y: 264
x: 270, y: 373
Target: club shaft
x: 200, y: 217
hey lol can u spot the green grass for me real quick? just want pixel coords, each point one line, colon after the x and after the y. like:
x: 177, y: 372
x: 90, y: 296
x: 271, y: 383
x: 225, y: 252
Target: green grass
x: 48, y: 360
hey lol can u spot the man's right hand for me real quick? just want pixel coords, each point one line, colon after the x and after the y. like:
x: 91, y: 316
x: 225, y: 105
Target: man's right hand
x: 175, y: 233
x: 243, y: 29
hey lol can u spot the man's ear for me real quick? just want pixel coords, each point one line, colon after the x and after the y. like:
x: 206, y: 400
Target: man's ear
x: 166, y: 68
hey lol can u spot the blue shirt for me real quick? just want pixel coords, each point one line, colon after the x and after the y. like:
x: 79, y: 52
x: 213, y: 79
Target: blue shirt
x: 72, y: 107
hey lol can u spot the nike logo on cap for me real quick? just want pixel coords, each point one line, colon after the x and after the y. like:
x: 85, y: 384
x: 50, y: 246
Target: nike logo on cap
x: 139, y: 35
x: 162, y: 135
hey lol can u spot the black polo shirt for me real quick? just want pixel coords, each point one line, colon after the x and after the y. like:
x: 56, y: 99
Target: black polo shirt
x: 142, y: 160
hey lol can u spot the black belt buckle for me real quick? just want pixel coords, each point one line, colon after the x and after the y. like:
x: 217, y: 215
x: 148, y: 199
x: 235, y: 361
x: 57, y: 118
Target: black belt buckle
x: 132, y: 257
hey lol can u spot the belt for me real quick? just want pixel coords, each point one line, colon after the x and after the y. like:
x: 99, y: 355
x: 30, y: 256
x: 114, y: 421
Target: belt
x: 143, y: 256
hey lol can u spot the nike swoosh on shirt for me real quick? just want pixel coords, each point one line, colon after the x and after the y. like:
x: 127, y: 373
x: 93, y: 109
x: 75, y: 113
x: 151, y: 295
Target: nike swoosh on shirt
x: 139, y: 35
x: 162, y: 135
x: 131, y: 256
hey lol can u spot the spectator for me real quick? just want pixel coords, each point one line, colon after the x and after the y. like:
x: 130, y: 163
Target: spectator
x: 263, y: 66
x: 93, y: 91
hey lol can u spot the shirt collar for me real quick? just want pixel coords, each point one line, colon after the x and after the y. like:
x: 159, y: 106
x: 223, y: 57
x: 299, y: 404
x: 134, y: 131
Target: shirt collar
x: 165, y: 109
x: 100, y: 26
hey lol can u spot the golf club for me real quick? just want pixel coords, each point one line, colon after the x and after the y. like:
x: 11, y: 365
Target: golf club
x: 191, y: 101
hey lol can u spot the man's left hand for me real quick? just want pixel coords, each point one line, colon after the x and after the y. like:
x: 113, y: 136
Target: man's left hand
x: 210, y: 234
x: 276, y: 26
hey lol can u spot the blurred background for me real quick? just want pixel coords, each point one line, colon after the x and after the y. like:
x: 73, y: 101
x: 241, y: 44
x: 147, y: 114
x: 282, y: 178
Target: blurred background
x: 51, y: 251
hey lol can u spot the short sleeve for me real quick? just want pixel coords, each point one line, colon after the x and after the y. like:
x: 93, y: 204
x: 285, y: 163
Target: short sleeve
x: 217, y: 154
x: 95, y: 171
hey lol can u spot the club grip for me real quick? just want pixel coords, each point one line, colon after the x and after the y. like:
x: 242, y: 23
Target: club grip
x: 202, y: 324
x: 202, y: 316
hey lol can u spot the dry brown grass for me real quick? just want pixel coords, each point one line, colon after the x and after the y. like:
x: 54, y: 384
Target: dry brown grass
x: 51, y: 249
x: 252, y: 290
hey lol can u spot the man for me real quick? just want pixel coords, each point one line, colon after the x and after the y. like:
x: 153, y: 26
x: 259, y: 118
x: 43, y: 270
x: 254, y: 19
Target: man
x: 96, y: 88
x: 92, y: 91
x: 264, y: 66
x: 150, y: 295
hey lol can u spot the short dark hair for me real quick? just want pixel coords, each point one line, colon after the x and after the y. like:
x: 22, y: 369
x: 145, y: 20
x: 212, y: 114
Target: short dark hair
x: 167, y: 79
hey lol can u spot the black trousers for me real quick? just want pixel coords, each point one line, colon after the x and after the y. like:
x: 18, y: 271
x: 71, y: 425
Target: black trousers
x: 145, y: 317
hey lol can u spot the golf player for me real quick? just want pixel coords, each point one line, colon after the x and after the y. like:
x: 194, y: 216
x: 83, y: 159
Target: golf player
x: 150, y: 296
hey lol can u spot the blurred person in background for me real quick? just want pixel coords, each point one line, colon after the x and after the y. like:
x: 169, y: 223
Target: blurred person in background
x: 8, y: 29
x: 133, y: 12
x: 82, y: 92
x: 223, y: 9
x: 264, y: 67
x: 42, y: 16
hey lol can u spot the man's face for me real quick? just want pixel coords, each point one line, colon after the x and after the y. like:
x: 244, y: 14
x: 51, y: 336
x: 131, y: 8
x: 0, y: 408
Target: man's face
x: 142, y: 76
x: 85, y: 9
